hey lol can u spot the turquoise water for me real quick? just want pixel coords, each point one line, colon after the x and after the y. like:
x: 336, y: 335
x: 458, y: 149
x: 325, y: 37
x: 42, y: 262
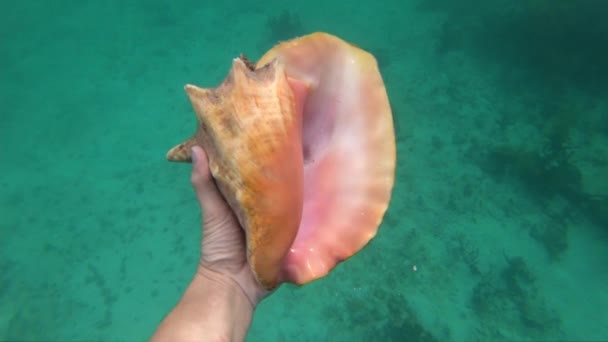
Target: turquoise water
x: 501, y: 196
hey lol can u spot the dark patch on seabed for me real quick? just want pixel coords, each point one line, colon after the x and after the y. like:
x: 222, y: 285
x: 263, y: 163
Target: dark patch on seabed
x: 546, y: 50
x: 560, y: 44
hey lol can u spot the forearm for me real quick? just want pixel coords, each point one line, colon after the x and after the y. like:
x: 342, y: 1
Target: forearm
x: 213, y: 308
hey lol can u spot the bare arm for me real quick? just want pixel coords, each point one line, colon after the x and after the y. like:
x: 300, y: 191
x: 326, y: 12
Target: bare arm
x: 219, y: 302
x: 213, y: 308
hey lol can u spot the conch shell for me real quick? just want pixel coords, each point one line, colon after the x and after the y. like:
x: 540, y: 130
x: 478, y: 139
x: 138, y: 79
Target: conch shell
x: 301, y: 145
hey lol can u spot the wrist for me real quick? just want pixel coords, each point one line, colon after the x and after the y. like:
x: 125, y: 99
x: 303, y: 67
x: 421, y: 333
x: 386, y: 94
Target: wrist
x: 228, y: 306
x: 213, y: 308
x: 241, y: 285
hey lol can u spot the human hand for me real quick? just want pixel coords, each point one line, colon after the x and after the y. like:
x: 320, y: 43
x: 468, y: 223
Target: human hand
x: 223, y: 247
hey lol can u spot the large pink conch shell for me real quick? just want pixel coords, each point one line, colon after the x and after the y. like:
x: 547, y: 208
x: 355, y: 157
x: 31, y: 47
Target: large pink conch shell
x: 302, y: 146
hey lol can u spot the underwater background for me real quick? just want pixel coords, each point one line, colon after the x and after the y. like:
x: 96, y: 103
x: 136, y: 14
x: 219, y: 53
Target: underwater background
x: 501, y: 194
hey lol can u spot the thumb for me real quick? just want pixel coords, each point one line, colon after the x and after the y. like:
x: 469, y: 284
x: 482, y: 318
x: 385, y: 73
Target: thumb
x: 211, y: 201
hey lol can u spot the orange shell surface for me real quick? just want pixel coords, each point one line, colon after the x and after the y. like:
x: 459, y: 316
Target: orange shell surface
x: 309, y: 194
x: 252, y: 136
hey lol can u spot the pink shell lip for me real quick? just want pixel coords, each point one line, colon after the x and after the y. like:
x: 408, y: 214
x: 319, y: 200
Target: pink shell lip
x: 349, y: 151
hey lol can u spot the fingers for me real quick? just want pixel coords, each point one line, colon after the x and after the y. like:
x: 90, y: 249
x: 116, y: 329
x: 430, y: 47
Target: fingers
x: 209, y: 197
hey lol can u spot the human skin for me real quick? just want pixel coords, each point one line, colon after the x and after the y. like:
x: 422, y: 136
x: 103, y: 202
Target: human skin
x: 218, y: 304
